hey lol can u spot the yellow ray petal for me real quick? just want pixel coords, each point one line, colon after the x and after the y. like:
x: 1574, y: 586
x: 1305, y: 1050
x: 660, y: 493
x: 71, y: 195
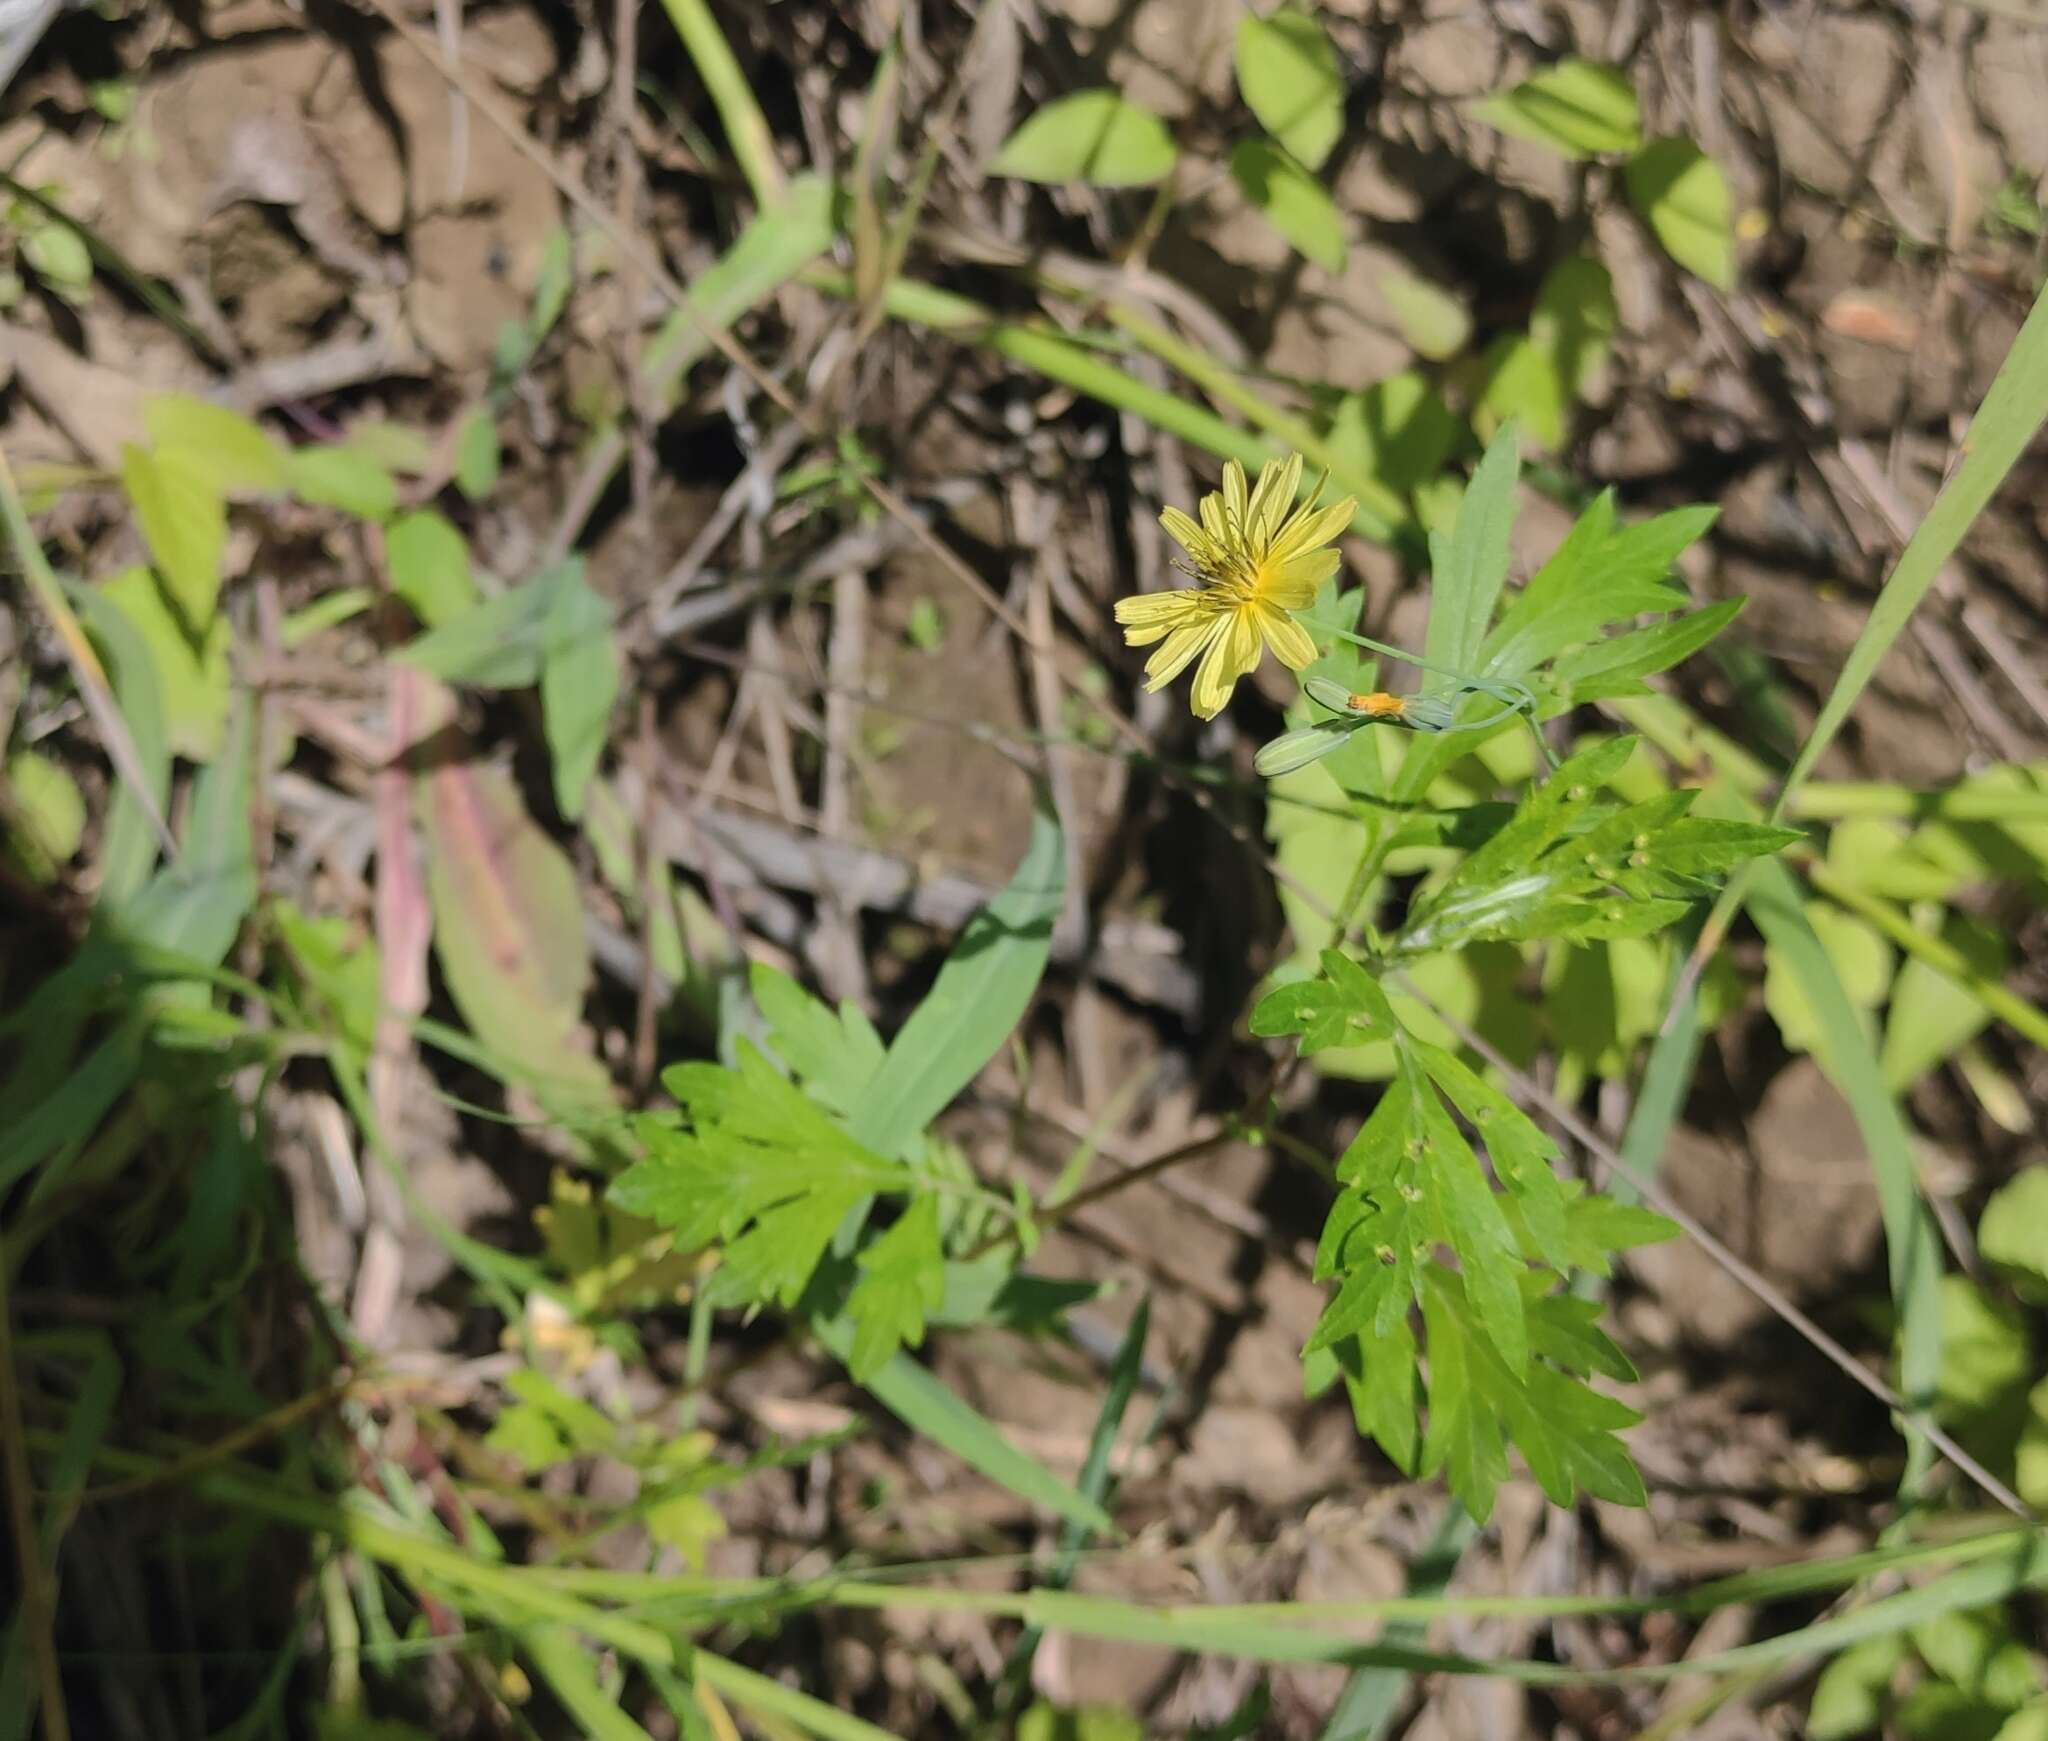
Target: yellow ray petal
x: 1278, y: 483
x: 1184, y: 532
x: 1234, y: 498
x: 1147, y: 616
x: 1288, y: 639
x: 1294, y: 584
x: 1181, y: 646
x: 1231, y: 655
x: 1307, y: 530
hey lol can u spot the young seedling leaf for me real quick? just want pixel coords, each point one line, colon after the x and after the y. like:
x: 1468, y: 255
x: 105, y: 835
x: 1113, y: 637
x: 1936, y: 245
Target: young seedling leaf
x: 1291, y: 200
x: 1577, y: 107
x: 346, y: 476
x: 1288, y: 73
x: 1683, y: 196
x: 1096, y: 136
x: 192, y: 677
x: 235, y: 454
x: 579, y: 681
x: 184, y: 521
x: 429, y: 563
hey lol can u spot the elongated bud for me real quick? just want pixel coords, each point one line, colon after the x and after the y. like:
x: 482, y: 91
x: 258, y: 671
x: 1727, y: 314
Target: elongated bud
x: 1296, y: 749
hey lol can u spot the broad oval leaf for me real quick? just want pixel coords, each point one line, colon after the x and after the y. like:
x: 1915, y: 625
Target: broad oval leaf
x: 349, y: 478
x: 48, y: 820
x: 1534, y: 381
x: 1097, y: 136
x: 1577, y: 107
x: 2013, y: 1233
x: 1291, y: 200
x: 429, y: 564
x: 1683, y: 197
x: 58, y: 255
x: 193, y: 678
x: 1432, y: 320
x: 1288, y: 73
x: 237, y: 454
x: 1931, y: 1017
x: 184, y: 522
x: 1398, y: 430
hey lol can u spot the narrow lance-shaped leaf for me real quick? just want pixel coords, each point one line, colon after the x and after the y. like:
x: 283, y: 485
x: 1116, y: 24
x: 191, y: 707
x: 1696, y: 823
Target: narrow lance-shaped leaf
x: 975, y: 1003
x: 1472, y: 563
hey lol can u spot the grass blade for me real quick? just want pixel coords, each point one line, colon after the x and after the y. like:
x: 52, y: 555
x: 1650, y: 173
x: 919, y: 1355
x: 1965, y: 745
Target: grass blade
x: 2011, y: 415
x: 924, y: 1405
x: 746, y: 128
x: 756, y: 1691
x: 778, y: 244
x: 1094, y: 1485
x: 1365, y: 1710
x: 1911, y: 1242
x: 564, y: 1663
x: 1086, y: 369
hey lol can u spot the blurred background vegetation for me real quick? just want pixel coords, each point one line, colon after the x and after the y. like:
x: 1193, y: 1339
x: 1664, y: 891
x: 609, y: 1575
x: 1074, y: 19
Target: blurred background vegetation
x: 537, y: 533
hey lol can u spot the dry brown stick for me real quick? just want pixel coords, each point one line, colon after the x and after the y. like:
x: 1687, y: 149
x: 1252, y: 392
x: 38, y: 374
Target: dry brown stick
x: 772, y: 455
x: 645, y: 1007
x: 1610, y: 1158
x: 838, y: 949
x: 626, y: 194
x: 1033, y: 514
x: 2012, y: 664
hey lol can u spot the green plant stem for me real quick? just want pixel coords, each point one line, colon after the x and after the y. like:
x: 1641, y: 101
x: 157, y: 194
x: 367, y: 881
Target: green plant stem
x: 746, y: 128
x: 86, y: 671
x: 1223, y: 385
x: 744, y: 1687
x: 1970, y: 801
x: 565, y: 1594
x: 1948, y: 961
x: 1075, y: 363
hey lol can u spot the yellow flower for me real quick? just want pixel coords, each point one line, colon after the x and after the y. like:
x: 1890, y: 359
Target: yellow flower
x: 1256, y: 557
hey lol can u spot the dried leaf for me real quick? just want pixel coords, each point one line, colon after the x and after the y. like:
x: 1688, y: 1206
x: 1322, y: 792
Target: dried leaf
x: 508, y: 925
